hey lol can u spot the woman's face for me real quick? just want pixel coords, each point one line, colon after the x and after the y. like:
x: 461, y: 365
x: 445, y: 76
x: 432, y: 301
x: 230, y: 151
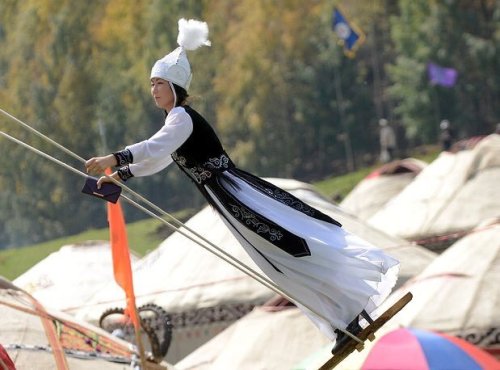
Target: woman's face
x: 162, y: 94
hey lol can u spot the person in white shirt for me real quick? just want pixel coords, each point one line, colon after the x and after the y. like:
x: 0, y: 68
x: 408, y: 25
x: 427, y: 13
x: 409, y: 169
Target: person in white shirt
x: 387, y: 141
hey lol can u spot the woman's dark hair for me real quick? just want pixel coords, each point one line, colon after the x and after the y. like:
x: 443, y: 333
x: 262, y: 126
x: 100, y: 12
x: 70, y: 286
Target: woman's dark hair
x: 182, y: 95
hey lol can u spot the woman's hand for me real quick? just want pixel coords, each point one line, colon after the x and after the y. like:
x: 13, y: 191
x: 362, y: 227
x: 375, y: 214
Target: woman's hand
x: 104, y: 179
x: 98, y: 165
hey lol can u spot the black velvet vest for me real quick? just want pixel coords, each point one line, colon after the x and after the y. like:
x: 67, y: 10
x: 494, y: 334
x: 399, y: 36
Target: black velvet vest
x: 202, y: 144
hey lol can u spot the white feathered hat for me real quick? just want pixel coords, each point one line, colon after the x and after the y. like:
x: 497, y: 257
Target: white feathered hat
x: 174, y: 67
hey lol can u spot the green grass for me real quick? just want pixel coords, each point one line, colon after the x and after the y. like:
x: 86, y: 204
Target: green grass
x: 146, y: 235
x: 336, y: 188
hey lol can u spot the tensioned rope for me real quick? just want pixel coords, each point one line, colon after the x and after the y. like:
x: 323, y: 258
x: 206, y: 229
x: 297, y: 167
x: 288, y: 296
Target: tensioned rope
x: 245, y: 269
x: 24, y: 302
x: 45, y: 315
x: 140, y: 197
x: 210, y: 246
x: 96, y: 355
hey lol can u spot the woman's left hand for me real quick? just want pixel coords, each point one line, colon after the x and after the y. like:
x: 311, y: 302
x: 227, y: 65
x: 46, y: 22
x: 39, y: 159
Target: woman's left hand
x: 98, y: 165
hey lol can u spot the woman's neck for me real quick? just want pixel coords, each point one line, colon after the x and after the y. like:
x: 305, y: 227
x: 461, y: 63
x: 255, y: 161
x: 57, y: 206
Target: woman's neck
x: 179, y: 105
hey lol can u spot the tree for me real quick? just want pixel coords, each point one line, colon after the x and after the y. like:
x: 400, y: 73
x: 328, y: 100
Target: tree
x: 275, y: 84
x: 462, y: 35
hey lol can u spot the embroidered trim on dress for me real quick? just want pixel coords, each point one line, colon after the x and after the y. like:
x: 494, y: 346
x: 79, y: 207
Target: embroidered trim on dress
x: 287, y: 199
x: 217, y: 163
x: 251, y: 220
x: 179, y: 159
x: 201, y: 174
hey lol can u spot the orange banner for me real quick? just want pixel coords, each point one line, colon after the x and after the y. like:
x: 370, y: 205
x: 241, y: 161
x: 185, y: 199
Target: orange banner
x: 121, y: 257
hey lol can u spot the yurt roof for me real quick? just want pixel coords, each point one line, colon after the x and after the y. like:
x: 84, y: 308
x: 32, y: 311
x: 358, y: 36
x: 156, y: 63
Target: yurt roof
x: 380, y: 186
x: 70, y: 276
x: 458, y: 293
x: 454, y: 193
x: 264, y: 339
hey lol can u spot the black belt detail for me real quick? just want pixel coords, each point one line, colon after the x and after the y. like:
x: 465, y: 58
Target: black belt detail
x: 283, y: 196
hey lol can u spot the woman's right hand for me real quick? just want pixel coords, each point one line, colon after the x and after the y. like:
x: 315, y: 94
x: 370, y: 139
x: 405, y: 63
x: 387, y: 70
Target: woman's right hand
x: 98, y: 165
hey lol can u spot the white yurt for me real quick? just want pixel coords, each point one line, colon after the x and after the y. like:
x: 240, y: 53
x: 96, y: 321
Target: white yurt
x: 68, y: 277
x: 269, y: 337
x: 459, y: 292
x: 380, y: 186
x: 454, y: 193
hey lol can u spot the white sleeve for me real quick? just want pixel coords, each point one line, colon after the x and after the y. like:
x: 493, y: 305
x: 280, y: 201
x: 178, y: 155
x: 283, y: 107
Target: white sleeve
x: 154, y: 154
x: 149, y: 167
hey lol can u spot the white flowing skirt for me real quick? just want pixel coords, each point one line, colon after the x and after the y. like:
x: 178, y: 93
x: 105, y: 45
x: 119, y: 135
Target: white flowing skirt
x: 343, y: 274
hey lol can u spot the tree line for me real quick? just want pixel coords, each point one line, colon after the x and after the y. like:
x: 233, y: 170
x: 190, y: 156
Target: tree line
x: 275, y: 84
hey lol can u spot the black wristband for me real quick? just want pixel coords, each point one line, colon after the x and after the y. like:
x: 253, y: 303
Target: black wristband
x: 123, y: 157
x: 124, y: 173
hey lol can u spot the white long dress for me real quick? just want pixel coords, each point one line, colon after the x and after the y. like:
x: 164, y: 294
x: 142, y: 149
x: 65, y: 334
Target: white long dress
x: 305, y: 252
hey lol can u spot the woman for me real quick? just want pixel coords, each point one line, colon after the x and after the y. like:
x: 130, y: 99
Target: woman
x: 302, y: 250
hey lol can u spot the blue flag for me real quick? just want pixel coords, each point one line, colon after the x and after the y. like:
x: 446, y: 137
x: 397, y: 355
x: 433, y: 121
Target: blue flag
x: 351, y: 37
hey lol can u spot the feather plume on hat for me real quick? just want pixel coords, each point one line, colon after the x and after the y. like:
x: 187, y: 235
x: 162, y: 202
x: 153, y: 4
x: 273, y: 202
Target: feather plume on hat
x: 174, y: 67
x: 192, y: 34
